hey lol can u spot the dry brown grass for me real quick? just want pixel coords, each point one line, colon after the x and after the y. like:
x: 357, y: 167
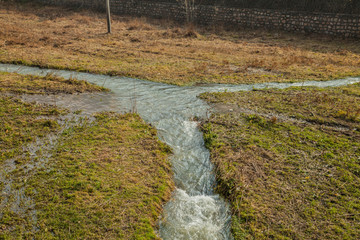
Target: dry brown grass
x: 164, y: 52
x: 49, y: 84
x: 330, y: 106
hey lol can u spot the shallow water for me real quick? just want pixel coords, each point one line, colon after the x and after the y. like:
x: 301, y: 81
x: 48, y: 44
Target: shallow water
x: 12, y: 170
x: 194, y: 211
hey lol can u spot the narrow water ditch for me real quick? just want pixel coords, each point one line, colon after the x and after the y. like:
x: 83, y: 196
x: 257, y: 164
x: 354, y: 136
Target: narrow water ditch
x: 195, y: 211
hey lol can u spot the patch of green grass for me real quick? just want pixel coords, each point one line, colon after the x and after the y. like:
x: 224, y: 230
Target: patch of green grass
x: 106, y: 180
x: 331, y: 106
x: 287, y: 179
x: 22, y: 123
x: 50, y: 84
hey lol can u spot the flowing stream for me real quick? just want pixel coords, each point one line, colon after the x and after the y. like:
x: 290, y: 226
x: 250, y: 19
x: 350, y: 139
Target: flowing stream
x: 194, y: 211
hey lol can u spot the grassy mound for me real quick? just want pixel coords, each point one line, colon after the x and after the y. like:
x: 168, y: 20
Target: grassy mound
x: 105, y: 179
x: 288, y: 161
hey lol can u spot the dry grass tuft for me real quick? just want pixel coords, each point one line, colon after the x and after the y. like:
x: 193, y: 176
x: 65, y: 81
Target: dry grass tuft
x: 139, y: 24
x: 50, y: 84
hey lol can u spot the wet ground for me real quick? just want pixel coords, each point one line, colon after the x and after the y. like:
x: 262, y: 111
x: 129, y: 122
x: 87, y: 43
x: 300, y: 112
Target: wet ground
x: 195, y: 211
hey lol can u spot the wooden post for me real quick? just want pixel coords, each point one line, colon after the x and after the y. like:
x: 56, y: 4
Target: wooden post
x: 108, y: 15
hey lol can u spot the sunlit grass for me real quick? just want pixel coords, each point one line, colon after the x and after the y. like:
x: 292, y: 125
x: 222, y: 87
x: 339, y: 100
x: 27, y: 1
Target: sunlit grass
x: 288, y: 161
x: 50, y: 84
x: 164, y: 52
x: 106, y: 179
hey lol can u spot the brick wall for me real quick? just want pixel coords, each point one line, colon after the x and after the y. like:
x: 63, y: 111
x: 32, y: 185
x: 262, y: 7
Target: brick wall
x: 345, y: 25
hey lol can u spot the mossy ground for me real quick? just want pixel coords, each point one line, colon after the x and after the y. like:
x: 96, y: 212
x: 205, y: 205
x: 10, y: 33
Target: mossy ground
x: 106, y: 179
x: 288, y: 161
x: 160, y: 51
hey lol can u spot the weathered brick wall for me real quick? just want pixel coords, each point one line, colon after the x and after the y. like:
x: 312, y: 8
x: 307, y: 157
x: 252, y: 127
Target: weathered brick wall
x: 344, y: 25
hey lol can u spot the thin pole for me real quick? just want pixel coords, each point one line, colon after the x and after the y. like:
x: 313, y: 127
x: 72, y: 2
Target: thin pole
x: 108, y: 15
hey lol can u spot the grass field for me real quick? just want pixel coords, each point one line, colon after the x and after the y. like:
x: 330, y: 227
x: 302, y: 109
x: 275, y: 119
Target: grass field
x: 288, y: 161
x: 104, y: 179
x: 165, y: 52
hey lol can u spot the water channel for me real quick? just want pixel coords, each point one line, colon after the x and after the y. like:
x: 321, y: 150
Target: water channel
x: 195, y: 211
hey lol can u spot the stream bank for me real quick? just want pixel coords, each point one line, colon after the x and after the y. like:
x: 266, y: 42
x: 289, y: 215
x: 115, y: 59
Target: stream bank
x: 195, y: 210
x: 76, y: 173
